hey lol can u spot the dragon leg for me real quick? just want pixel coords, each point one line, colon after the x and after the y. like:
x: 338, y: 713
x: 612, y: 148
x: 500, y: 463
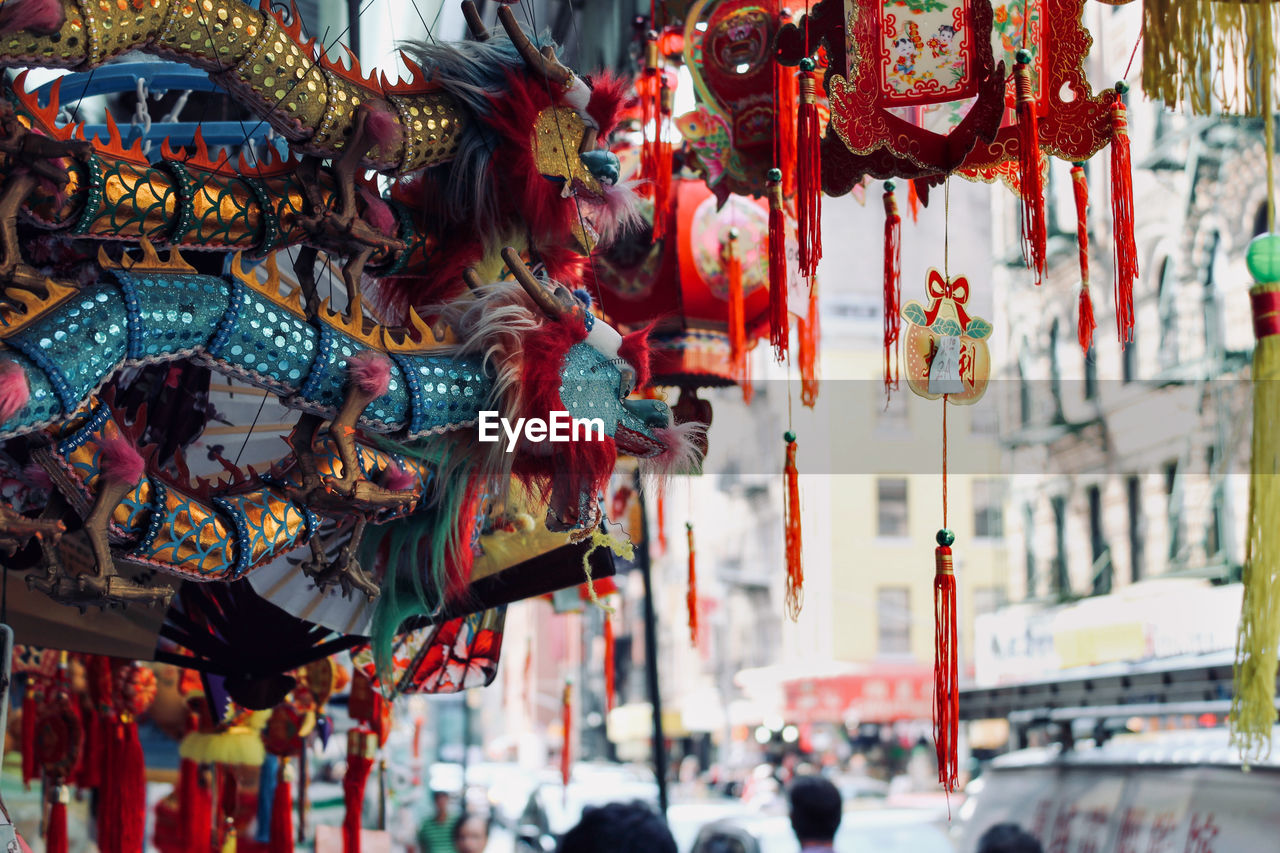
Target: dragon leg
x: 17, y: 529
x: 343, y: 568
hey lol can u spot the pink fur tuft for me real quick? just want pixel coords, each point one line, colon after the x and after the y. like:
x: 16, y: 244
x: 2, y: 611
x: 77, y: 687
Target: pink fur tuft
x: 14, y: 391
x: 121, y: 462
x: 397, y: 479
x: 378, y: 213
x: 684, y: 443
x: 33, y: 474
x: 371, y: 372
x: 44, y: 17
x: 383, y: 128
x: 616, y: 213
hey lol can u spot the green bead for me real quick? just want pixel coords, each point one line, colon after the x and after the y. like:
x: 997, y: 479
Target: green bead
x: 775, y: 175
x: 789, y: 436
x: 733, y: 233
x: 945, y: 537
x: 1122, y: 87
x: 1263, y: 258
x: 1022, y: 56
x: 890, y: 186
x: 807, y: 64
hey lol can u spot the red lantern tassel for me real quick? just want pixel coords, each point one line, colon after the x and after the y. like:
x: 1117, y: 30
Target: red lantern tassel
x: 791, y: 518
x: 946, y: 685
x: 89, y: 773
x: 779, y: 317
x: 892, y: 288
x: 809, y: 171
x: 55, y: 828
x: 691, y: 597
x: 609, y: 666
x: 281, y: 838
x: 131, y: 777
x: 566, y: 751
x: 810, y: 335
x: 913, y: 201
x: 786, y: 95
x: 195, y: 804
x: 1030, y: 181
x: 737, y: 315
x: 662, y: 522
x: 360, y: 746
x: 30, y: 700
x: 1085, y: 323
x: 1122, y: 216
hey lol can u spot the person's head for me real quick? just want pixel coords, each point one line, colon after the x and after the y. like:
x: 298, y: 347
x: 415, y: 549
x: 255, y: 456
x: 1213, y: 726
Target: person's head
x: 1008, y: 838
x: 619, y: 828
x: 441, y: 801
x: 470, y: 833
x: 815, y: 809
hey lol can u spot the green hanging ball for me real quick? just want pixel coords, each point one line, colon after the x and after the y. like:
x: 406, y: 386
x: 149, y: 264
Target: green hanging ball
x: 945, y: 537
x: 1122, y: 87
x: 890, y: 186
x: 807, y: 64
x: 1022, y: 56
x: 789, y: 437
x: 775, y: 175
x: 1263, y: 258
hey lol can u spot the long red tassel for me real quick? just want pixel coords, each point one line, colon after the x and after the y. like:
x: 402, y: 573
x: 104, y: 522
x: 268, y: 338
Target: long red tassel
x: 89, y: 773
x: 360, y: 747
x: 1030, y: 181
x: 109, y: 795
x: 662, y: 522
x: 809, y: 171
x: 691, y: 597
x: 1085, y: 323
x: 1122, y: 216
x: 30, y: 702
x: 281, y: 838
x: 656, y: 98
x: 946, y: 683
x: 892, y: 287
x: 737, y: 312
x: 779, y: 316
x: 791, y: 518
x: 786, y: 95
x: 566, y: 749
x: 55, y: 828
x: 195, y: 804
x: 810, y: 336
x: 609, y: 665
x: 131, y: 777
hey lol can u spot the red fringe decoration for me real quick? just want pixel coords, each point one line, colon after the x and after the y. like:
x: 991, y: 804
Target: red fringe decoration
x: 913, y: 201
x: 662, y: 521
x: 131, y: 777
x: 29, y: 701
x: 55, y: 829
x: 655, y: 153
x: 1085, y: 323
x: 566, y: 750
x: 359, y: 764
x: 892, y: 288
x: 1030, y: 181
x: 195, y: 807
x: 810, y: 333
x: 779, y: 318
x: 737, y: 311
x: 89, y: 773
x: 691, y: 597
x: 1122, y: 218
x: 786, y: 95
x: 281, y: 839
x: 609, y: 666
x: 791, y: 516
x: 809, y: 174
x: 946, y: 684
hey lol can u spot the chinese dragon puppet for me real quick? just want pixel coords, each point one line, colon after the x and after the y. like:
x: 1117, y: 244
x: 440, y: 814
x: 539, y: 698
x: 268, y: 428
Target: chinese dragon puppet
x: 458, y: 284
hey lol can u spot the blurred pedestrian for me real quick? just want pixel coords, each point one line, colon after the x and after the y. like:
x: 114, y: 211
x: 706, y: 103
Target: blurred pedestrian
x: 619, y: 828
x: 815, y: 813
x: 470, y: 833
x: 435, y: 835
x: 1008, y: 838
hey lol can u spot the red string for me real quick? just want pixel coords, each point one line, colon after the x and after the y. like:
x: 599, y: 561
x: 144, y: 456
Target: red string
x: 944, y: 460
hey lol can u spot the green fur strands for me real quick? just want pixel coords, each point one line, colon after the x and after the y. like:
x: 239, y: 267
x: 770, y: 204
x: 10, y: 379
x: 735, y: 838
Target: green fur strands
x: 420, y: 548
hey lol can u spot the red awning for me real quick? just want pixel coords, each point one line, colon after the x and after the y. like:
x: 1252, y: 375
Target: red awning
x: 880, y: 693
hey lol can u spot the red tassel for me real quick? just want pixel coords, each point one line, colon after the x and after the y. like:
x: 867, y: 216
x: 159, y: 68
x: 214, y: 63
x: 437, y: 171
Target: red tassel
x: 892, y: 288
x: 609, y: 670
x: 109, y: 795
x: 691, y: 597
x: 1030, y: 181
x: 360, y: 746
x: 737, y: 314
x: 89, y: 773
x: 946, y: 684
x: 566, y: 750
x: 810, y: 335
x: 1085, y: 323
x: 791, y: 517
x: 662, y: 521
x: 656, y: 98
x: 195, y: 807
x: 913, y: 201
x: 130, y: 775
x: 30, y: 702
x: 809, y: 171
x: 779, y: 317
x: 281, y: 838
x: 55, y: 828
x: 1122, y: 216
x: 786, y: 95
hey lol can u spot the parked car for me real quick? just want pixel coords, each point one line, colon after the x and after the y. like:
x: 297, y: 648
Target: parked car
x: 553, y: 809
x: 879, y: 831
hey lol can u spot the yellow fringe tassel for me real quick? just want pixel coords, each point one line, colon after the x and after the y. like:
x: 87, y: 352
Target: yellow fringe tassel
x: 1253, y: 711
x: 600, y: 539
x: 1208, y: 55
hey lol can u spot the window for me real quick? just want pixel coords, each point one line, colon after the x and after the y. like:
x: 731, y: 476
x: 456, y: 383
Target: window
x: 1213, y: 534
x: 1028, y: 536
x: 1166, y: 298
x: 893, y: 614
x: 1102, y: 572
x: 988, y: 509
x: 892, y: 507
x: 1024, y: 393
x: 1091, y: 373
x: 1136, y: 529
x: 988, y: 599
x: 1061, y: 578
x: 1173, y: 497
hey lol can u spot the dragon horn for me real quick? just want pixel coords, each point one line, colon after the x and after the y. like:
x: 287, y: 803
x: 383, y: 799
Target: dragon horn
x: 475, y: 25
x: 538, y: 292
x: 545, y: 64
x: 471, y: 279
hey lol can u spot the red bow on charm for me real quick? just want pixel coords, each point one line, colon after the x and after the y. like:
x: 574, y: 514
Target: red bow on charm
x: 957, y: 291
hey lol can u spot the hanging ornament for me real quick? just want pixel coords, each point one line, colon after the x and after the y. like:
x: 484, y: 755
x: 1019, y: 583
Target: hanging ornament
x: 362, y: 746
x: 1030, y: 178
x: 1085, y: 323
x: 656, y: 93
x: 946, y: 349
x: 280, y: 838
x: 809, y: 171
x: 810, y: 336
x: 609, y: 664
x: 892, y: 288
x: 786, y: 115
x: 566, y: 721
x: 737, y: 322
x: 691, y: 597
x: 791, y: 522
x: 59, y: 739
x: 946, y: 678
x: 779, y: 317
x: 1126, y: 263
